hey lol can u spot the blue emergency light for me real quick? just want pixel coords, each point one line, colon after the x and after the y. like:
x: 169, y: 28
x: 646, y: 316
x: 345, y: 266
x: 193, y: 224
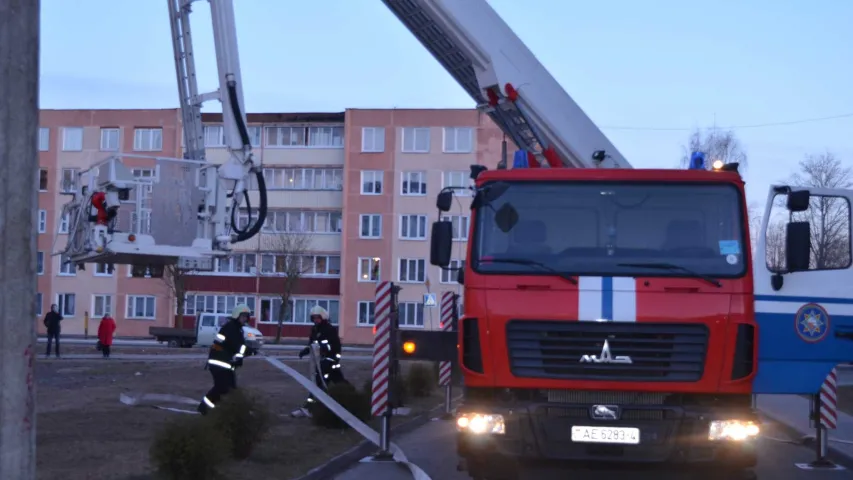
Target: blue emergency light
x: 519, y: 160
x: 697, y: 161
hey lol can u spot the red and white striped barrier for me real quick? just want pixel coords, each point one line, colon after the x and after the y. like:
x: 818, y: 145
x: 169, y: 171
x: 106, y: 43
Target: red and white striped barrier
x: 444, y: 371
x: 381, y: 349
x: 829, y: 401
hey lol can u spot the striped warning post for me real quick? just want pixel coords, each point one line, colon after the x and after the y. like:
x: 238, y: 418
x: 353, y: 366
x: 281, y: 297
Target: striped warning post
x: 444, y: 371
x: 829, y: 401
x: 381, y: 349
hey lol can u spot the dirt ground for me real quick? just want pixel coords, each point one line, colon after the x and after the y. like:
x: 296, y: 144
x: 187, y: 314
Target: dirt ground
x: 85, y: 433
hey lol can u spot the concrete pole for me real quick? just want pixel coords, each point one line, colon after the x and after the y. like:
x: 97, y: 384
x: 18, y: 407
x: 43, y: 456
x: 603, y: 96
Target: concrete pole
x: 19, y: 119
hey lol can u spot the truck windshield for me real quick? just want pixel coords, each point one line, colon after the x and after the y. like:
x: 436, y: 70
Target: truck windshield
x: 614, y: 229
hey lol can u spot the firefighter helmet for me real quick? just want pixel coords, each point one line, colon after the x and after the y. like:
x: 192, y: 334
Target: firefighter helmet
x: 320, y: 311
x: 240, y: 309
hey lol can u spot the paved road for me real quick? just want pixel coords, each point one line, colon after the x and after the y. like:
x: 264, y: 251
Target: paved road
x: 432, y: 448
x: 184, y: 356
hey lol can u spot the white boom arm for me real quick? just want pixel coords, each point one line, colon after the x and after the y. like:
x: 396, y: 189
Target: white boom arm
x: 503, y: 76
x: 93, y: 211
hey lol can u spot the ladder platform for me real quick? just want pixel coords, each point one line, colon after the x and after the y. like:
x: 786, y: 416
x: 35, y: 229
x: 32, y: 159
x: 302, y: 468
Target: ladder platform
x: 131, y: 249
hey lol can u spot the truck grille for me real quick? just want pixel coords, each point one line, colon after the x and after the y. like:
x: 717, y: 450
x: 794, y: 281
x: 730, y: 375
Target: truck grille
x: 659, y: 352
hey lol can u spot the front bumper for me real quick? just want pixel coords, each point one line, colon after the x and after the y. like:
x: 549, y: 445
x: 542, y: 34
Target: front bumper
x: 542, y: 432
x: 254, y: 345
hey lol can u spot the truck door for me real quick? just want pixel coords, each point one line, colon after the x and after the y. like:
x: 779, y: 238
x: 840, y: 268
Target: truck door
x: 207, y: 329
x: 803, y: 289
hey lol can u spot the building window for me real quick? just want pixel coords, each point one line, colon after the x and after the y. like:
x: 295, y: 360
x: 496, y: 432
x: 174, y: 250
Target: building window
x: 39, y: 304
x: 307, y: 265
x: 66, y: 267
x: 298, y: 311
x: 411, y: 314
x: 450, y: 274
x: 216, y: 304
x: 240, y: 263
x: 42, y: 225
x: 44, y: 139
x: 148, y: 139
x: 413, y: 227
x: 109, y: 139
x: 461, y: 180
x: 371, y: 226
x: 366, y: 313
x: 412, y: 270
x: 68, y: 181
x: 103, y: 270
x: 43, y: 181
x: 416, y: 140
x: 102, y: 305
x: 72, y: 139
x: 40, y: 263
x: 458, y: 140
x: 460, y: 226
x: 255, y: 136
x: 326, y: 137
x: 140, y: 223
x: 297, y: 221
x: 373, y: 139
x: 214, y: 136
x: 371, y: 182
x: 414, y: 183
x: 317, y: 137
x: 141, y: 307
x: 66, y: 303
x: 303, y: 178
x: 64, y: 224
x: 368, y: 269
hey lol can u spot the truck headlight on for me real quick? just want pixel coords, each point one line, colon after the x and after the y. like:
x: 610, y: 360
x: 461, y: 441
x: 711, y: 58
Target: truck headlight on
x: 734, y: 430
x: 480, y: 424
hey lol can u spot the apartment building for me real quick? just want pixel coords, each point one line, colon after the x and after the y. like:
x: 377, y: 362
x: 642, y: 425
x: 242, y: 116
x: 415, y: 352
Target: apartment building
x: 346, y: 191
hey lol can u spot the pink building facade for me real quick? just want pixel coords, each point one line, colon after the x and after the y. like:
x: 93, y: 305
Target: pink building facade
x: 359, y: 186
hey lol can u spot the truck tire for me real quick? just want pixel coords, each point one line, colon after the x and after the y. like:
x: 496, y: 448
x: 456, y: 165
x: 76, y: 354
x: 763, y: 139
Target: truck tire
x: 173, y: 343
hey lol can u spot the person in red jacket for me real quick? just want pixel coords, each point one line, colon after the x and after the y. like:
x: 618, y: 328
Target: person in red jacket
x: 106, y: 329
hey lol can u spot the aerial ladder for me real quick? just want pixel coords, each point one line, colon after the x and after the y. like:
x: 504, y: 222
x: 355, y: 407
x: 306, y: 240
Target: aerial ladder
x: 92, y: 214
x: 467, y: 37
x: 489, y: 61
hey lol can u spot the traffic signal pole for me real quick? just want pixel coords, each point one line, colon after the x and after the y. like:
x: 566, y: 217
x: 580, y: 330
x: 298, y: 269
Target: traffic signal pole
x: 19, y: 120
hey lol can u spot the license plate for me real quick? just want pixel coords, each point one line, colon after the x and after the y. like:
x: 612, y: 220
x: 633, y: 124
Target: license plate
x: 617, y: 435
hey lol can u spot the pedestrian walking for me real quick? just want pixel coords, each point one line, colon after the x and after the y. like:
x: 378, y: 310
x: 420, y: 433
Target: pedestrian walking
x: 106, y: 330
x: 51, y: 323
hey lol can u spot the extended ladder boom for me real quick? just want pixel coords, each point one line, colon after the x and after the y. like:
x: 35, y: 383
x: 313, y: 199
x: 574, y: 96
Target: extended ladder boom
x: 503, y: 76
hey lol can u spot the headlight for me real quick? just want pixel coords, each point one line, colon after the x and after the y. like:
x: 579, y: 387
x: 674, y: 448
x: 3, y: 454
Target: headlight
x: 250, y: 335
x: 736, y: 430
x: 480, y: 424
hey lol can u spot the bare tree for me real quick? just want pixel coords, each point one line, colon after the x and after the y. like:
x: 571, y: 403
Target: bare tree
x: 774, y: 246
x: 716, y: 144
x: 175, y: 280
x: 288, y: 251
x: 828, y: 216
x: 754, y: 212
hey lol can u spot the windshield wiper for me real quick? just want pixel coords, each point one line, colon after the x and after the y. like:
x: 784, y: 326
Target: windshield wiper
x: 671, y: 266
x: 533, y: 263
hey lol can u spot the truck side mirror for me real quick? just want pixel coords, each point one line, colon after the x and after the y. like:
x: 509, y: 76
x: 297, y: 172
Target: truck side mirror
x: 798, y: 201
x: 441, y: 243
x: 797, y: 246
x: 444, y: 201
x: 460, y: 274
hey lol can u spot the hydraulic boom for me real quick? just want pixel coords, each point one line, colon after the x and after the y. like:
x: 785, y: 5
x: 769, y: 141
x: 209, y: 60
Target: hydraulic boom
x: 502, y: 75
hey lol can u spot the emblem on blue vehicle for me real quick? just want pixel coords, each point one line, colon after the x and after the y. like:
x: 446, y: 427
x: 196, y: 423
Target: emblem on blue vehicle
x: 812, y: 322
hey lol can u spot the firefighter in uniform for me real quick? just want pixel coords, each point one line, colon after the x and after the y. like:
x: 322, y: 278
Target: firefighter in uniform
x: 226, y: 354
x: 325, y: 336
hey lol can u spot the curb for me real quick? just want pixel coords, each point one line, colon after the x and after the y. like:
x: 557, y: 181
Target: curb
x: 344, y: 461
x: 807, y: 440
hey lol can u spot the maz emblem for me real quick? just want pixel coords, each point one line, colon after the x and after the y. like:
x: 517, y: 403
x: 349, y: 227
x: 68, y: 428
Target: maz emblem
x: 605, y: 412
x: 606, y: 357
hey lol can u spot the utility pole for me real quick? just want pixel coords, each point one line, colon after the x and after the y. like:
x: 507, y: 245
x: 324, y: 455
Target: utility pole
x: 19, y: 120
